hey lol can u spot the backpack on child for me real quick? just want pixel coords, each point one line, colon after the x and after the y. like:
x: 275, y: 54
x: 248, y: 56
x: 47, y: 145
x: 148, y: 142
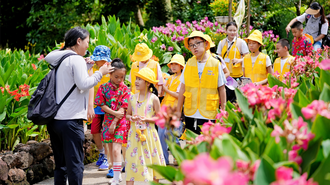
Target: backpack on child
x: 43, y: 107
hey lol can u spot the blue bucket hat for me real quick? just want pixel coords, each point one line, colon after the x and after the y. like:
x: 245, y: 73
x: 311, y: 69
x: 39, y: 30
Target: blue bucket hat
x: 101, y: 52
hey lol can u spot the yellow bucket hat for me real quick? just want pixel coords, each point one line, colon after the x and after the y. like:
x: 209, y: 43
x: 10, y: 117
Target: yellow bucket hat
x: 210, y: 41
x: 256, y: 35
x: 147, y: 74
x: 177, y: 58
x: 195, y: 34
x: 142, y: 52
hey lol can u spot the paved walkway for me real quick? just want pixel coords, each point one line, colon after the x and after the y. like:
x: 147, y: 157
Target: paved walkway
x: 94, y: 177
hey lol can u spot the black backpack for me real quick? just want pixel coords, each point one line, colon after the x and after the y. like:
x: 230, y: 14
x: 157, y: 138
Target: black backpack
x: 43, y: 107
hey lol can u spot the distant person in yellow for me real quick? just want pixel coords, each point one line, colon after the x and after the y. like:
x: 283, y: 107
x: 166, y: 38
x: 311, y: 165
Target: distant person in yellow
x: 203, y: 84
x: 171, y: 89
x: 282, y: 64
x: 256, y: 65
x: 101, y: 55
x: 142, y: 58
x: 232, y: 49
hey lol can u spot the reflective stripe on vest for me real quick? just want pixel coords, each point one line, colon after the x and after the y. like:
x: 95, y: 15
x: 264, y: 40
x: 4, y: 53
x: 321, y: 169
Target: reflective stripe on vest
x: 258, y: 72
x: 286, y: 67
x: 201, y: 93
x: 135, y: 68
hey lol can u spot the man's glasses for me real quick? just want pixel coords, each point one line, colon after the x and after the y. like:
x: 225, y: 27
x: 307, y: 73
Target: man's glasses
x: 191, y: 46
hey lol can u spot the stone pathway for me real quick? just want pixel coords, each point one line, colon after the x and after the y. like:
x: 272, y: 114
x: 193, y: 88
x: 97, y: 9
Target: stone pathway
x: 94, y: 177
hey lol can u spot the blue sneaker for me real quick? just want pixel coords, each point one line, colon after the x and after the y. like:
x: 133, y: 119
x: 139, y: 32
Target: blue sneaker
x: 100, y: 160
x: 104, y: 166
x: 110, y: 174
x: 123, y: 170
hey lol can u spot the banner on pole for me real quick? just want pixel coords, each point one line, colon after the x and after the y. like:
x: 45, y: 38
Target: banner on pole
x: 239, y: 15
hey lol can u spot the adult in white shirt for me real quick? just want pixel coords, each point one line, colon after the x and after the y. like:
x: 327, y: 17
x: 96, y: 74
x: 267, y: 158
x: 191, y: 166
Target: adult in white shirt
x: 316, y: 23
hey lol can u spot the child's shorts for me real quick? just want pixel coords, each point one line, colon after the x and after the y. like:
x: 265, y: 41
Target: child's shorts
x: 120, y: 135
x: 96, y: 125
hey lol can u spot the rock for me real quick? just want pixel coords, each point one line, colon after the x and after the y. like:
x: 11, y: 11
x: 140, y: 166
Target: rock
x: 3, y: 171
x: 35, y: 173
x: 12, y: 160
x: 24, y: 159
x: 40, y: 151
x: 49, y: 165
x: 31, y: 142
x: 22, y: 147
x: 91, y: 153
x: 16, y: 175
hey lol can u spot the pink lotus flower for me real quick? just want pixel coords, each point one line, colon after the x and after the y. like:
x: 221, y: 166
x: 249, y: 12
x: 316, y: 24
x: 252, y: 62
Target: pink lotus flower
x: 210, y: 171
x: 325, y: 64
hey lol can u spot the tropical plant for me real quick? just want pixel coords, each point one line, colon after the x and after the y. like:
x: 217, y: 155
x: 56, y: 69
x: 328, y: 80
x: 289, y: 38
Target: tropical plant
x: 20, y: 74
x: 276, y: 134
x: 221, y: 7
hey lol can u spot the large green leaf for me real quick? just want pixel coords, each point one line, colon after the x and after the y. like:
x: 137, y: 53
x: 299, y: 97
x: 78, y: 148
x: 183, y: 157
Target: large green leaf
x: 168, y: 172
x: 274, y: 151
x: 303, y: 100
x: 321, y: 175
x: 243, y: 104
x: 325, y: 94
x: 265, y: 173
x: 190, y: 134
x: 309, y: 155
x: 324, y: 78
x: 321, y: 127
x: 272, y: 81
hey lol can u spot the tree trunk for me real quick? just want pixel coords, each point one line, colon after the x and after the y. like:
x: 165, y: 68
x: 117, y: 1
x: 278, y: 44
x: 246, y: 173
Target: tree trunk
x: 138, y: 17
x: 248, y: 18
x: 168, y: 8
x: 298, y: 6
x: 230, y: 9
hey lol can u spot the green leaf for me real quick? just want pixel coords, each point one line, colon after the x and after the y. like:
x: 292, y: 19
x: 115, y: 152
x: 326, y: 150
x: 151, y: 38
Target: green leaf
x: 296, y: 110
x: 19, y: 113
x: 273, y: 150
x: 190, y: 134
x: 243, y: 104
x: 289, y: 164
x: 303, y: 100
x: 324, y: 78
x: 321, y: 175
x: 326, y: 147
x: 265, y: 173
x: 202, y: 147
x: 8, y: 72
x: 321, y: 128
x: 2, y: 116
x: 272, y: 81
x: 168, y: 172
x: 325, y: 94
x: 310, y: 154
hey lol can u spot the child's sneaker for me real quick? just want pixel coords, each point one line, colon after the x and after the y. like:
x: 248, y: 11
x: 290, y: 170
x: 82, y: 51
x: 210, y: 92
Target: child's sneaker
x: 104, y: 166
x: 123, y: 170
x: 100, y: 160
x: 110, y: 174
x: 113, y: 182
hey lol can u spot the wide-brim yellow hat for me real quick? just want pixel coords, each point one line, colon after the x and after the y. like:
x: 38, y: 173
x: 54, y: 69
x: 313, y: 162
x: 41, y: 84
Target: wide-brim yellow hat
x: 142, y: 52
x: 195, y: 34
x: 178, y: 59
x: 256, y: 35
x: 210, y: 41
x: 147, y: 74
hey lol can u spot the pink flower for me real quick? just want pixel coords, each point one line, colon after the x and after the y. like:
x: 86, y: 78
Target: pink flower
x: 283, y: 173
x: 293, y: 156
x: 163, y: 47
x: 206, y: 18
x: 218, y: 130
x: 188, y: 24
x: 154, y: 39
x: 170, y: 48
x: 325, y: 64
x: 41, y: 57
x: 242, y: 165
x: 198, y: 2
x: 277, y: 132
x: 205, y: 170
x: 178, y: 21
x: 315, y: 108
x: 194, y: 22
x: 173, y: 38
x: 216, y: 24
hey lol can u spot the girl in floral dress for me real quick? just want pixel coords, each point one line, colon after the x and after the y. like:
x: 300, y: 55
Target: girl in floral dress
x: 113, y: 97
x: 143, y: 146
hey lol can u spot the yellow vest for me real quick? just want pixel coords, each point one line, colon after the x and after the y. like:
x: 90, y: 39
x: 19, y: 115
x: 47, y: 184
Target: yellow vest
x: 234, y: 52
x: 172, y: 84
x: 104, y: 79
x: 135, y: 68
x: 258, y: 72
x: 286, y: 67
x: 201, y: 93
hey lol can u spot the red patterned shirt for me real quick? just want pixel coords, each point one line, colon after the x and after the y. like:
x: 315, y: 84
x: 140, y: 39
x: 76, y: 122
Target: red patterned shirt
x: 301, y: 46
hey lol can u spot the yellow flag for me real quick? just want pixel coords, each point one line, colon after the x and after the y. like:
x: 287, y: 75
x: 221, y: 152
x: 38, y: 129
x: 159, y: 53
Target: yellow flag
x: 239, y: 15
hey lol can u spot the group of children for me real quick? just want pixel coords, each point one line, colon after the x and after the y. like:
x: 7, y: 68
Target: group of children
x: 124, y: 115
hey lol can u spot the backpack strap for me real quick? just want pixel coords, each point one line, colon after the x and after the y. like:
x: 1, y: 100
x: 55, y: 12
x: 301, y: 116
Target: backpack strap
x: 56, y: 67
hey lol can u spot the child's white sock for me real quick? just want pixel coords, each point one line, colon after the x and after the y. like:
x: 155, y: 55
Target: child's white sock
x: 101, y: 151
x: 116, y: 170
